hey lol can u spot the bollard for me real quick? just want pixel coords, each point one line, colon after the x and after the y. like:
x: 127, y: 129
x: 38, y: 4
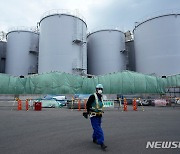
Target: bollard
x: 79, y: 105
x: 72, y: 104
x: 134, y: 104
x: 141, y: 104
x: 19, y: 107
x: 27, y: 105
x: 125, y: 104
x: 31, y: 104
x: 120, y: 104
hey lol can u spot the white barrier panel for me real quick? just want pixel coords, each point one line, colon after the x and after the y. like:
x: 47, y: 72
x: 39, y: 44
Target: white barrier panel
x: 108, y: 103
x: 160, y: 102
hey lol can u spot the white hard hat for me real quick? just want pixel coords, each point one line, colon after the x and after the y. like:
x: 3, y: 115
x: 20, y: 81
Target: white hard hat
x: 99, y: 86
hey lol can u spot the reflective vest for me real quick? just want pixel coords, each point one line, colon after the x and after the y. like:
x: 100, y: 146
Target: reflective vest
x: 97, y: 105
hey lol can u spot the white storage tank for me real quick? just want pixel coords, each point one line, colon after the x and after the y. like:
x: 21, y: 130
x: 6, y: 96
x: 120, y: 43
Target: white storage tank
x: 106, y: 52
x: 22, y: 51
x: 62, y: 45
x: 157, y: 45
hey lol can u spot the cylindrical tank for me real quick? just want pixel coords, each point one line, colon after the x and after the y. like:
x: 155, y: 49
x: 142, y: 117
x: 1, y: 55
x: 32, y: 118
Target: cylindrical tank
x: 106, y: 52
x: 157, y: 45
x: 22, y: 51
x: 2, y: 56
x: 62, y: 45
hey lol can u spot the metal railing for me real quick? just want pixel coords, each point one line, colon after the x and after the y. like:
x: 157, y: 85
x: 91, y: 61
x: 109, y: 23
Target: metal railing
x: 101, y: 28
x: 24, y: 28
x: 157, y: 14
x: 63, y: 11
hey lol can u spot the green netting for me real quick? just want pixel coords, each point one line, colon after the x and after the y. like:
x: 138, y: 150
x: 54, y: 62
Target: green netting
x: 125, y: 82
x: 4, y: 83
x: 88, y: 85
x: 173, y: 81
x: 54, y: 83
x: 8, y: 84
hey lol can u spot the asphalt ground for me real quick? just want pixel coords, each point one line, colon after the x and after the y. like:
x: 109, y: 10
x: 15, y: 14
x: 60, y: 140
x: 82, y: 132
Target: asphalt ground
x: 66, y: 131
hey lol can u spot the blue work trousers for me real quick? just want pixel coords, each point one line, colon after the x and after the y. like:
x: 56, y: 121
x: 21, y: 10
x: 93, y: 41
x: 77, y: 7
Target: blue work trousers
x: 98, y: 132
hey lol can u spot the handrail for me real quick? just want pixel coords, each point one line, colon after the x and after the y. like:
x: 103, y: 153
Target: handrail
x: 24, y: 28
x: 63, y: 11
x: 157, y: 14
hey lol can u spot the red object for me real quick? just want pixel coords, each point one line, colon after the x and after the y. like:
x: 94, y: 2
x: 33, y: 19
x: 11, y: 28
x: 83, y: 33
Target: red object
x: 19, y: 105
x: 125, y: 104
x: 134, y: 105
x: 27, y: 105
x: 37, y: 106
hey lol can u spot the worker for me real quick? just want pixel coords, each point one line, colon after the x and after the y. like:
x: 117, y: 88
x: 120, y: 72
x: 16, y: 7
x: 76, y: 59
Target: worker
x: 94, y: 109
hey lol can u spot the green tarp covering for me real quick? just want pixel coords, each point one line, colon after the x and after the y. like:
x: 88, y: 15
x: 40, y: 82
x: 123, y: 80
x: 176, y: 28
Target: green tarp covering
x: 125, y: 82
x: 173, y: 81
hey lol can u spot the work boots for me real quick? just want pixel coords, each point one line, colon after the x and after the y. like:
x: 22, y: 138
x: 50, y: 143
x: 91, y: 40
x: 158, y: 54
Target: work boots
x: 95, y: 141
x: 103, y: 146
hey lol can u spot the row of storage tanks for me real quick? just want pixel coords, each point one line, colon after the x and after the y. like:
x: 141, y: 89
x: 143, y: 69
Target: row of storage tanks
x: 62, y: 44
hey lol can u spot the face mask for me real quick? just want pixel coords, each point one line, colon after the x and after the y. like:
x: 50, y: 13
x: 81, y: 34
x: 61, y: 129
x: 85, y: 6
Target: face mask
x: 99, y: 91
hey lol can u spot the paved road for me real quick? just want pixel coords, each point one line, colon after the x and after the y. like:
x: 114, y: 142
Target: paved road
x: 62, y: 131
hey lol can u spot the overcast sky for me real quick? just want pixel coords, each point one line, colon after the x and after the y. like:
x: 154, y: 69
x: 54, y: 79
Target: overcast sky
x: 98, y: 13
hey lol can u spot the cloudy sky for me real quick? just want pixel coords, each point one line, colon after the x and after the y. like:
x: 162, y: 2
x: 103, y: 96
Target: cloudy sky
x: 98, y: 13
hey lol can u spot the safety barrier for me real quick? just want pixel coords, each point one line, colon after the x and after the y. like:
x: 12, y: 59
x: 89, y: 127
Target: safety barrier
x: 77, y: 104
x: 134, y: 104
x: 123, y: 104
x: 37, y: 106
x: 81, y: 104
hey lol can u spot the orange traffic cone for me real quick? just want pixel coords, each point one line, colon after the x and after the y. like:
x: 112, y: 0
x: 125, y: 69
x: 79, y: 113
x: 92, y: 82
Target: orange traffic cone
x: 125, y: 105
x: 134, y: 105
x: 85, y: 101
x: 19, y: 107
x: 79, y: 105
x: 27, y: 105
